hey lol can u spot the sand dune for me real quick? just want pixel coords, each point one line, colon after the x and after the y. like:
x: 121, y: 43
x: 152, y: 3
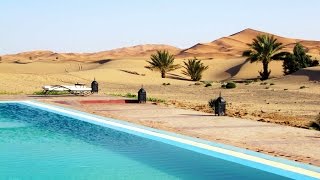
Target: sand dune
x: 233, y: 45
x: 223, y: 48
x: 132, y: 52
x: 223, y: 56
x: 135, y: 51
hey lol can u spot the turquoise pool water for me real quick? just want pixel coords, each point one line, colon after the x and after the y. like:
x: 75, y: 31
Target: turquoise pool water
x: 37, y: 144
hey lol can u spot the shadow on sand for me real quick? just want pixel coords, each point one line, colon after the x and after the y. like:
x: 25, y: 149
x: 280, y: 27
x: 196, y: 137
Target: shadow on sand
x: 102, y: 61
x: 177, y: 77
x: 235, y: 69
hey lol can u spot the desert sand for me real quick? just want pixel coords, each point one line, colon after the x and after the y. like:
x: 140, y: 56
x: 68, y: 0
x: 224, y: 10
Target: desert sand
x: 290, y: 100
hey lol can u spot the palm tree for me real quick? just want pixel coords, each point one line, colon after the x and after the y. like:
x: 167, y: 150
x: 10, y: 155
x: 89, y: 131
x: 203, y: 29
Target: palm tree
x: 194, y: 68
x: 264, y: 48
x: 162, y: 61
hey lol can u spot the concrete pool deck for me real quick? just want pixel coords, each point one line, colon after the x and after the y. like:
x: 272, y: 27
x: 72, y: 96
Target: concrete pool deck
x: 297, y: 144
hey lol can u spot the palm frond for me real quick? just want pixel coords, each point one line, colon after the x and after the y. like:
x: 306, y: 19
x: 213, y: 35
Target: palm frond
x: 162, y: 61
x: 264, y: 48
x: 194, y: 68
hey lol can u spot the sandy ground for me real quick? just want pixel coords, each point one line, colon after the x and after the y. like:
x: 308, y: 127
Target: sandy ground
x: 292, y: 100
x: 279, y: 100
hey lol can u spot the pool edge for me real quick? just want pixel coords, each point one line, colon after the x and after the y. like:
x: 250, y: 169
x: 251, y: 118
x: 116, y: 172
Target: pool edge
x: 309, y: 170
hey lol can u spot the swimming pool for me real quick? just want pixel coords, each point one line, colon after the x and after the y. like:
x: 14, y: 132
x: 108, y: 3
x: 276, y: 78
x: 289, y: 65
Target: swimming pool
x: 41, y: 141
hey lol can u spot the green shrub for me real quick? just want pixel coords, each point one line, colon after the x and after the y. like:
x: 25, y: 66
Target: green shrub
x: 231, y: 85
x: 297, y: 60
x: 152, y: 99
x: 223, y: 86
x: 129, y: 95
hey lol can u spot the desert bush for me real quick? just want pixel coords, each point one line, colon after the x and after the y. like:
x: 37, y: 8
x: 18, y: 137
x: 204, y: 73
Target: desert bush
x: 302, y: 87
x: 152, y: 99
x: 271, y: 84
x: 231, y: 85
x: 263, y: 83
x: 208, y: 85
x: 194, y: 69
x: 197, y: 83
x: 129, y: 95
x: 297, y: 60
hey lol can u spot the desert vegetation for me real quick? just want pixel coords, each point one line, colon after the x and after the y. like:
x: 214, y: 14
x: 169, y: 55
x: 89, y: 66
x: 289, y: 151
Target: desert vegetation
x: 162, y: 61
x: 194, y: 69
x: 229, y: 85
x: 292, y: 62
x: 264, y: 48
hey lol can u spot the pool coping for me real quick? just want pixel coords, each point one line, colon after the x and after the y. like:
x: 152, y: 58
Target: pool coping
x: 245, y: 157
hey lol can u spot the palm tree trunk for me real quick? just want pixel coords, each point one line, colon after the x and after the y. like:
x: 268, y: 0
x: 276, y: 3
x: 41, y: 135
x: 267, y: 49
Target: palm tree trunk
x: 163, y: 74
x: 265, y: 74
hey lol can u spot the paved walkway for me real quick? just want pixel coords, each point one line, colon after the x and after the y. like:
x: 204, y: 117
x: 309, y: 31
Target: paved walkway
x: 278, y: 140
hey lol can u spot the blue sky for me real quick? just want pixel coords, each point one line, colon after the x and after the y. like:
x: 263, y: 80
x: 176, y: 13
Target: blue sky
x: 96, y: 25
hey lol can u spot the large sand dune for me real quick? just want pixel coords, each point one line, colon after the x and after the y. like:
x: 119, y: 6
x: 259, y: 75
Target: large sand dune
x: 223, y: 48
x: 235, y: 44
